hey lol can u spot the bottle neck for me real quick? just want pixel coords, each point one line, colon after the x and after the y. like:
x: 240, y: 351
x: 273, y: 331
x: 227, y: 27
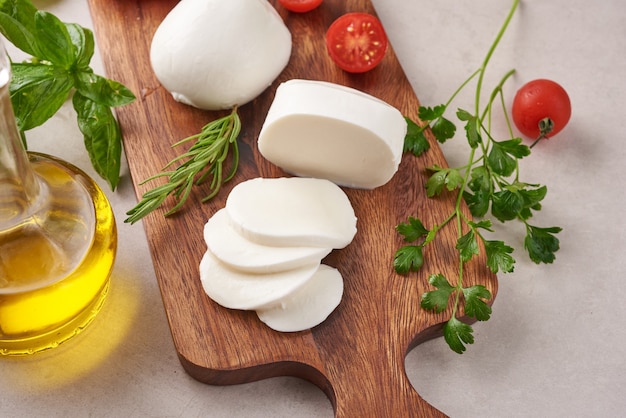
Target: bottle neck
x: 19, y: 186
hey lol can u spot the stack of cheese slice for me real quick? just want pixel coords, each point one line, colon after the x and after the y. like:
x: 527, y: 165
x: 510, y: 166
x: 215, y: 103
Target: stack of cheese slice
x: 265, y: 247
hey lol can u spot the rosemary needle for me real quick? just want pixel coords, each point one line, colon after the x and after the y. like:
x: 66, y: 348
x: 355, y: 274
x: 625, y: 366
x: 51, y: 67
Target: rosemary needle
x: 205, y: 158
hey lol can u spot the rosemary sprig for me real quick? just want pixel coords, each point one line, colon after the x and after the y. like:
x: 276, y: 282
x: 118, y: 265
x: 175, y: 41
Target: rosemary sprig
x: 215, y: 142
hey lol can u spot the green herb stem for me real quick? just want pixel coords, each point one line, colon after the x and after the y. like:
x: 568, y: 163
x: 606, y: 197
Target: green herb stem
x: 462, y: 86
x: 483, y: 67
x: 204, y: 159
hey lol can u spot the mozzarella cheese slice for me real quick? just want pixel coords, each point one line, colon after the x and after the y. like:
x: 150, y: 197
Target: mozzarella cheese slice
x: 247, y: 291
x: 309, y: 306
x: 325, y: 130
x: 292, y: 211
x: 215, y: 54
x: 242, y: 254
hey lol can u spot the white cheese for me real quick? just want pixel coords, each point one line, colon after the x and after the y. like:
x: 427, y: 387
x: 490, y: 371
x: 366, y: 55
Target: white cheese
x: 292, y: 211
x: 324, y: 130
x: 247, y: 291
x: 309, y: 306
x: 242, y: 254
x: 215, y: 54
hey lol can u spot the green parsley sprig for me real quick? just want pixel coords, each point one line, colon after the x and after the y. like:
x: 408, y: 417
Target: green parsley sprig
x: 206, y: 157
x: 488, y: 183
x: 59, y: 68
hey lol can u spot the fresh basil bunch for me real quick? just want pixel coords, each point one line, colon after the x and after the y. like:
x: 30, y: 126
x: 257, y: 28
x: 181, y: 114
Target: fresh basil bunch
x: 59, y: 68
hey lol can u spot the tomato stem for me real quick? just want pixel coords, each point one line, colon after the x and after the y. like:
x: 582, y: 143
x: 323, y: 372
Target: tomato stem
x: 545, y: 127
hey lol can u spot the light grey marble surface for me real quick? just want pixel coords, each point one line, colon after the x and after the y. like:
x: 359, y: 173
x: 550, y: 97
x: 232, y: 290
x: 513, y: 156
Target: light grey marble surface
x: 554, y: 346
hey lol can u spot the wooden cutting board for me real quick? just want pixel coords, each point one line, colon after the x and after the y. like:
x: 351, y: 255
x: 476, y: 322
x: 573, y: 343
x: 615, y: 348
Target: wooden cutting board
x: 357, y: 355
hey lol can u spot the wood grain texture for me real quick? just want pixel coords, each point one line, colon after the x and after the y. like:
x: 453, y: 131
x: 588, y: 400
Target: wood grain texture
x: 357, y: 355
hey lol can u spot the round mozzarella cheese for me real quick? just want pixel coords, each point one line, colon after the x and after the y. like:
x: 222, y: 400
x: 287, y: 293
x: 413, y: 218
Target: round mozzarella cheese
x: 215, y: 54
x: 324, y: 130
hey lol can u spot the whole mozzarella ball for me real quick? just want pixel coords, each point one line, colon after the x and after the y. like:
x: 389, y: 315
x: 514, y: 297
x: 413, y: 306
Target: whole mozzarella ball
x: 215, y: 54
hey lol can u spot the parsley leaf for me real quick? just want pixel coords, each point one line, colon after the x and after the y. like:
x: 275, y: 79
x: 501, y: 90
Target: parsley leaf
x: 411, y: 257
x: 475, y: 305
x: 499, y: 256
x: 415, y: 142
x: 533, y: 197
x: 541, y: 243
x: 480, y: 179
x: 502, y: 158
x: 506, y: 205
x: 428, y: 114
x: 477, y: 202
x: 450, y: 178
x: 437, y: 300
x: 472, y: 130
x: 481, y: 184
x: 408, y: 258
x: 482, y: 224
x: 442, y: 128
x: 467, y: 246
x: 412, y: 230
x: 456, y: 334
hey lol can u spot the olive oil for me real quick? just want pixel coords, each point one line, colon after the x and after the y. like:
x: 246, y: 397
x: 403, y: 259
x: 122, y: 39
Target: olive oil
x: 55, y: 263
x: 58, y: 241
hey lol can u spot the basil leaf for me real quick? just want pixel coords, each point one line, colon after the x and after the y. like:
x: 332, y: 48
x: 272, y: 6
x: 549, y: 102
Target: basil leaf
x: 37, y: 92
x: 84, y: 44
x: 102, y: 90
x: 55, y: 43
x: 17, y: 24
x: 102, y: 135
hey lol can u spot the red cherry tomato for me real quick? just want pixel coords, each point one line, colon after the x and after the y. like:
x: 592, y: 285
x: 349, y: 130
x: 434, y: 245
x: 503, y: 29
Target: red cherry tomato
x: 541, y: 102
x: 356, y: 42
x: 300, y: 6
